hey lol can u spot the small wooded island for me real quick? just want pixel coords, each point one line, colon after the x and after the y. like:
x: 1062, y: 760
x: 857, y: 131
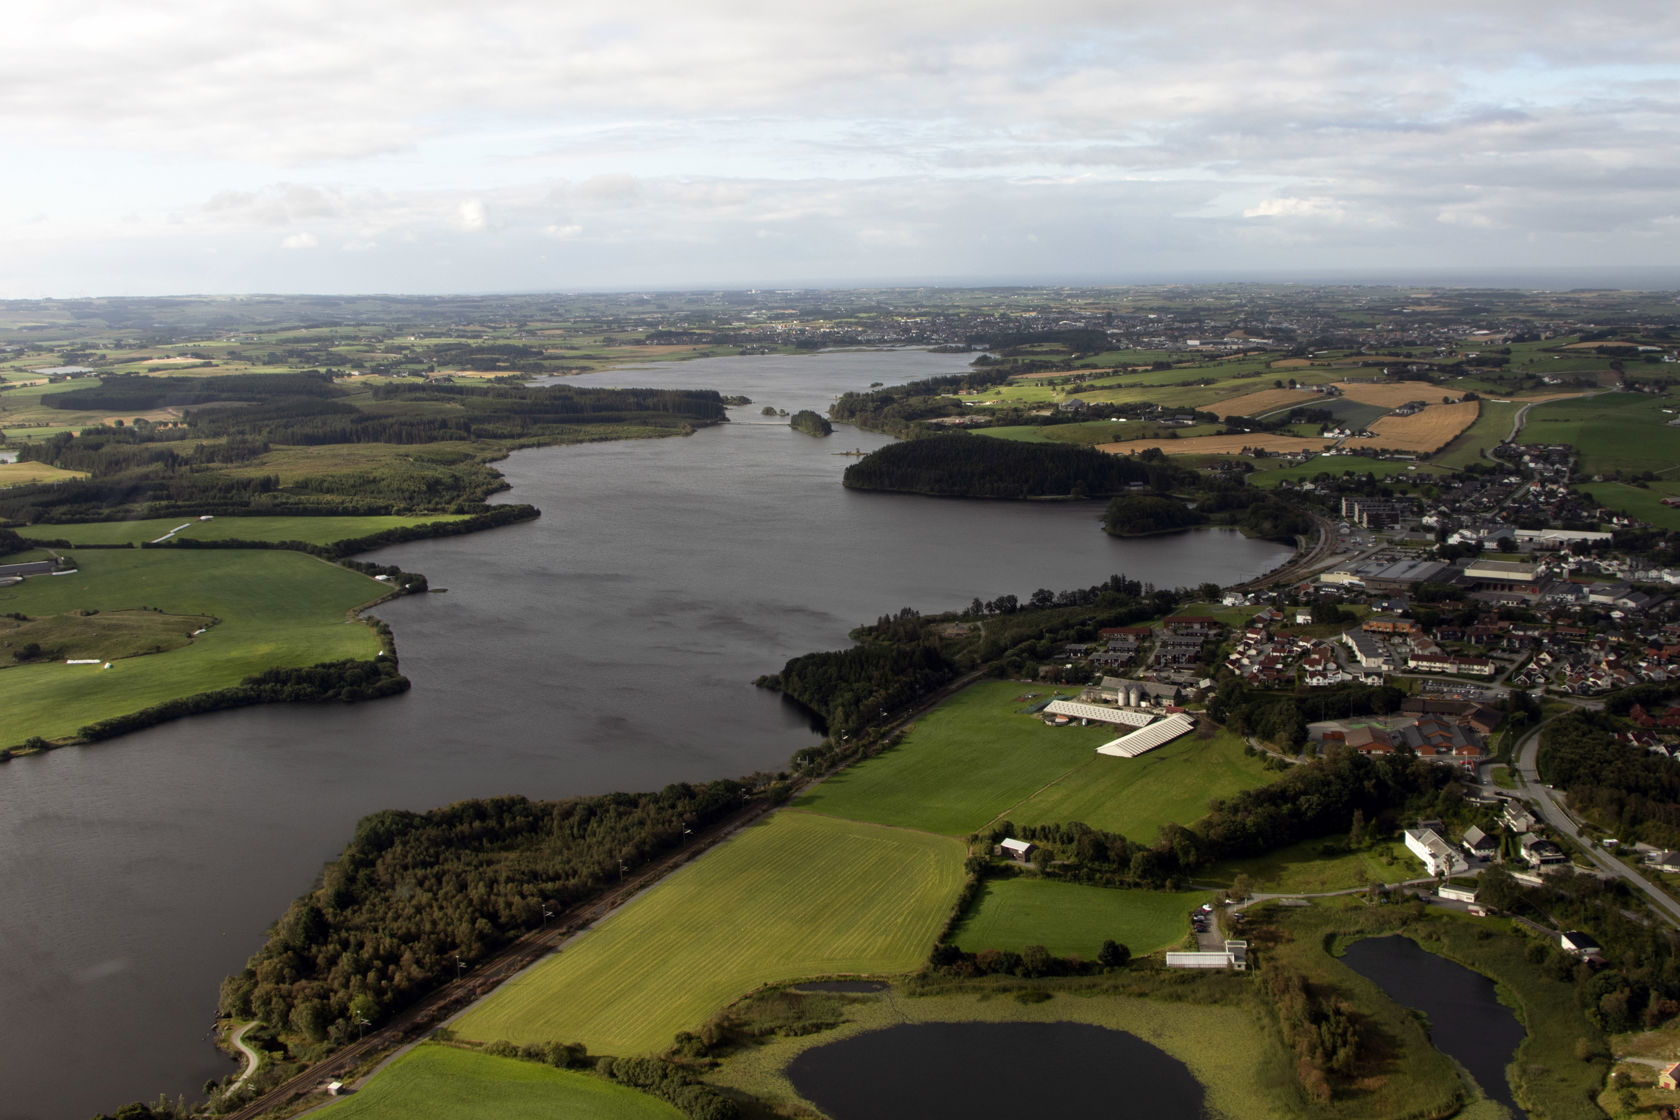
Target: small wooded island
x: 811, y: 423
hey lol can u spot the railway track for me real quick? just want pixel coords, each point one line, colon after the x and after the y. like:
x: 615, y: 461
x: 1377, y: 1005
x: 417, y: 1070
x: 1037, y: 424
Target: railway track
x: 1323, y: 547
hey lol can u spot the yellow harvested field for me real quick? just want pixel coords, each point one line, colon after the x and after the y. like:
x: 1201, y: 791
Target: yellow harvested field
x: 17, y: 474
x: 1218, y: 445
x: 1256, y: 404
x: 1393, y: 394
x: 1426, y: 431
x: 1291, y: 363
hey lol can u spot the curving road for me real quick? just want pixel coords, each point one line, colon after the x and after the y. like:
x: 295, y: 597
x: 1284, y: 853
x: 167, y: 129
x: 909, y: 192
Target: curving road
x: 252, y: 1058
x: 1552, y: 811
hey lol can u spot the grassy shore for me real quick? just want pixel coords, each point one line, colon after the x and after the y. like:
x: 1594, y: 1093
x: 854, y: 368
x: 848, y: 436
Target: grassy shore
x: 309, y: 530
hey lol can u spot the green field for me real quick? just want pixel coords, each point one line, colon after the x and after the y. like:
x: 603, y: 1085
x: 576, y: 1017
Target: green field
x: 1338, y: 465
x: 1136, y: 796
x: 975, y: 759
x: 309, y: 530
x: 434, y: 1082
x: 1304, y: 868
x: 1610, y: 432
x: 962, y: 765
x: 1643, y: 502
x: 276, y: 609
x: 1071, y: 919
x: 796, y: 895
x: 1489, y: 429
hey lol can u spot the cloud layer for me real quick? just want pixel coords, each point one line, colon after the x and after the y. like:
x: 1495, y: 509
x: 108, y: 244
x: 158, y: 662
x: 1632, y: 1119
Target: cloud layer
x: 438, y: 145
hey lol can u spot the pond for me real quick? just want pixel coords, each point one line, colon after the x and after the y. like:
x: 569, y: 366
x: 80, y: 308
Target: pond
x: 935, y: 1071
x: 1466, y: 1020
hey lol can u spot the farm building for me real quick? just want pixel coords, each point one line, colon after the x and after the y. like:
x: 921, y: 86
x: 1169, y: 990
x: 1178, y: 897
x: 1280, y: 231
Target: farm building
x: 1234, y: 957
x: 1018, y: 850
x: 1148, y: 738
x: 1581, y: 945
x: 1073, y: 709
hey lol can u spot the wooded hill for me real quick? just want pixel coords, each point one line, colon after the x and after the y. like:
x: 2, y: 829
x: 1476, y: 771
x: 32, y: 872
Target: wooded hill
x: 964, y: 466
x: 414, y: 891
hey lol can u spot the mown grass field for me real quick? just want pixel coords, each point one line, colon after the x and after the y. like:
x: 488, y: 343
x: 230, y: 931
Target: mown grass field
x: 1136, y: 796
x: 796, y: 895
x: 1610, y: 432
x: 276, y: 609
x: 434, y: 1082
x: 975, y: 759
x: 310, y: 530
x: 963, y: 764
x: 1071, y: 919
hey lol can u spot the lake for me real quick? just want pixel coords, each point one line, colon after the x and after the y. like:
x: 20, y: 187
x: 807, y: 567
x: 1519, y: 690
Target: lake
x: 1466, y: 1020
x: 957, y: 1071
x: 610, y: 644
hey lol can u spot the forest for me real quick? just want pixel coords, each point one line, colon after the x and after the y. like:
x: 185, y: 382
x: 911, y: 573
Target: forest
x: 965, y: 466
x: 411, y: 892
x: 1629, y: 791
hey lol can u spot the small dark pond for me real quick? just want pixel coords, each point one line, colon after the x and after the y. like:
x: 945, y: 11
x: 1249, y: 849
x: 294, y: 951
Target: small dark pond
x: 934, y: 1071
x: 1466, y: 1020
x: 841, y: 986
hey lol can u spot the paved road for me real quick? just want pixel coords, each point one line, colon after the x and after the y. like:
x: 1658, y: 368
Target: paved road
x: 1552, y: 811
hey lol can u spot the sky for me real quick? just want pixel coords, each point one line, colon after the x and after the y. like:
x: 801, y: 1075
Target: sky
x: 422, y: 146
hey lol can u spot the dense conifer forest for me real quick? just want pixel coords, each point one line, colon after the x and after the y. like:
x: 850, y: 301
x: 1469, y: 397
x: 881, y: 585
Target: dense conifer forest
x: 964, y: 466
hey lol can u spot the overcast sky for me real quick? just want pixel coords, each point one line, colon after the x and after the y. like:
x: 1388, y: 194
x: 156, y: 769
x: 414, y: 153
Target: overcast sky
x: 203, y: 146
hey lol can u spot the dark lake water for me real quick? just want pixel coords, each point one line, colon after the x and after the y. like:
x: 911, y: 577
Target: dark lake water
x: 1466, y: 1020
x: 957, y: 1071
x: 608, y: 645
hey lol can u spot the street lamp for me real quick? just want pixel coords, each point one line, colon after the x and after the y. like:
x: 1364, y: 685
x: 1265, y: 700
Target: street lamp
x: 621, y: 870
x: 459, y: 965
x: 364, y: 1022
x: 547, y: 914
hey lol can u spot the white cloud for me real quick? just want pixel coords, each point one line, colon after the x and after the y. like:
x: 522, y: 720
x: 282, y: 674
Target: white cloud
x: 394, y: 125
x: 299, y: 241
x: 474, y: 217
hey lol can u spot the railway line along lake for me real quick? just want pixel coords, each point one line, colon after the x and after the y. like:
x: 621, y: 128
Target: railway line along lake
x: 611, y: 644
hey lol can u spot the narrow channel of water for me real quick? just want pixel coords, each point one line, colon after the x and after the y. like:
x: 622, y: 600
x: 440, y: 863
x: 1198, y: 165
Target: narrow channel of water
x: 611, y: 644
x: 1466, y: 1020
